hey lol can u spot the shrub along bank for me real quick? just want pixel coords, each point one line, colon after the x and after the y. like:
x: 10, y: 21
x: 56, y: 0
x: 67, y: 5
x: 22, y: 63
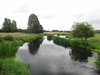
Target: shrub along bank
x: 94, y: 47
x: 8, y: 48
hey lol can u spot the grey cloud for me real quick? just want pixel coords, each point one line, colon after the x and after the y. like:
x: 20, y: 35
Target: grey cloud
x: 24, y: 8
x: 92, y: 17
x: 49, y: 17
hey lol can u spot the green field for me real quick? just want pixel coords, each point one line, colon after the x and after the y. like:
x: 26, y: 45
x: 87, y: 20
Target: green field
x: 96, y: 38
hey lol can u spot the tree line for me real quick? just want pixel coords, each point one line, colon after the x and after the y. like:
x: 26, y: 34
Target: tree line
x: 34, y: 25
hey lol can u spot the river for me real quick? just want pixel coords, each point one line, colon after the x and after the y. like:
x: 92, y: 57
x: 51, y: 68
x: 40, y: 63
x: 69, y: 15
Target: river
x: 46, y: 58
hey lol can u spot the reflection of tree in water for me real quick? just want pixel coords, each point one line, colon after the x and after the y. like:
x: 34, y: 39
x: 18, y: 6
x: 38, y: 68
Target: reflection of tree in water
x: 80, y: 54
x: 34, y: 45
x: 49, y: 37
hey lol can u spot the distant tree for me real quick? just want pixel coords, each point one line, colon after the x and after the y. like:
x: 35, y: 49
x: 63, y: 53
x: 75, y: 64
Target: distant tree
x: 55, y: 30
x: 97, y: 31
x: 13, y: 26
x: 9, y: 26
x: 6, y: 25
x: 34, y: 25
x: 82, y: 30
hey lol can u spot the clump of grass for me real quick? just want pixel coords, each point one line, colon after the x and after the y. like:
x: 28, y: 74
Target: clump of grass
x: 49, y: 37
x: 8, y: 49
x: 97, y: 63
x: 1, y: 39
x: 8, y: 38
x: 10, y: 66
x: 76, y: 43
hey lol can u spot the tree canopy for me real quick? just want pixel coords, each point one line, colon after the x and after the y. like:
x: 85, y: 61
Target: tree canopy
x: 9, y: 26
x: 82, y: 30
x: 34, y: 24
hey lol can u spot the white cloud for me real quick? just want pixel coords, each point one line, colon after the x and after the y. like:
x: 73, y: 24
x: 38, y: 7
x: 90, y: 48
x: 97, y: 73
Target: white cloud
x: 52, y: 14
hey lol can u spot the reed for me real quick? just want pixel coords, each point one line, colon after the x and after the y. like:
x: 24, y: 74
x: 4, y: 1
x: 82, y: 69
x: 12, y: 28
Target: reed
x: 10, y: 66
x: 76, y: 42
x: 8, y: 49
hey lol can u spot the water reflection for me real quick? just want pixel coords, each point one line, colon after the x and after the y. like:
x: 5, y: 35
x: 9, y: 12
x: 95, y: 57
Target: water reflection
x: 52, y: 59
x: 34, y: 45
x: 49, y: 37
x: 80, y: 54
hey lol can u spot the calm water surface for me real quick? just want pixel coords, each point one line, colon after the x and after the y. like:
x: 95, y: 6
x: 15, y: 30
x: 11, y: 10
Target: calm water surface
x: 47, y: 58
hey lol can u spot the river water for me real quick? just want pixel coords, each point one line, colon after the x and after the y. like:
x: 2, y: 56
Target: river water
x: 46, y: 58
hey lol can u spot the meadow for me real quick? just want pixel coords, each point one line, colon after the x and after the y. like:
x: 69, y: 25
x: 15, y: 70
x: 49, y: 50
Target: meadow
x: 96, y: 38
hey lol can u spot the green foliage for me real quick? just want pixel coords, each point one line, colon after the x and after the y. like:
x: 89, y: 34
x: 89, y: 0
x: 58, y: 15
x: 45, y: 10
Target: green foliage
x: 82, y: 30
x: 49, y: 37
x: 97, y: 31
x: 61, y: 41
x: 8, y: 38
x: 97, y: 63
x: 34, y: 25
x: 9, y: 26
x: 22, y: 30
x: 10, y: 66
x: 73, y: 43
x: 8, y: 49
x: 0, y: 38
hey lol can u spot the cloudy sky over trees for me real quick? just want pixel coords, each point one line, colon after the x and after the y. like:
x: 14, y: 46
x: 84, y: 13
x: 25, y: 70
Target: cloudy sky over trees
x: 52, y: 14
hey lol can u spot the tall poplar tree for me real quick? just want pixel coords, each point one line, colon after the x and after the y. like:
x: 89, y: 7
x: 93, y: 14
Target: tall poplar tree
x: 34, y: 24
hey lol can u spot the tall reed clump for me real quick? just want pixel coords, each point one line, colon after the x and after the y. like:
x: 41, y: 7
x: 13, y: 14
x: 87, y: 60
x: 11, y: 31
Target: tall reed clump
x: 77, y: 43
x: 61, y: 41
x: 8, y: 49
x: 49, y: 37
x: 10, y: 66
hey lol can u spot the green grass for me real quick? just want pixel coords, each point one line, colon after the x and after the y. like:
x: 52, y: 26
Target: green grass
x: 8, y: 49
x: 9, y: 66
x: 96, y: 38
x: 76, y: 42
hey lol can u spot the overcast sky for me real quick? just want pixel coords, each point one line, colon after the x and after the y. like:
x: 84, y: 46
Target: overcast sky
x: 52, y: 14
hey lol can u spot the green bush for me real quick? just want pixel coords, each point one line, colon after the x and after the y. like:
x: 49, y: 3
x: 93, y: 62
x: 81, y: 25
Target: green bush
x: 0, y: 38
x: 8, y: 38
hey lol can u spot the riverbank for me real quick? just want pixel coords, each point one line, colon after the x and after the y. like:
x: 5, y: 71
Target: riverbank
x: 75, y: 42
x: 9, y: 65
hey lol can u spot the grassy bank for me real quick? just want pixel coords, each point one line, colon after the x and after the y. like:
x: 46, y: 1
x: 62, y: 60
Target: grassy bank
x: 8, y: 64
x: 71, y: 42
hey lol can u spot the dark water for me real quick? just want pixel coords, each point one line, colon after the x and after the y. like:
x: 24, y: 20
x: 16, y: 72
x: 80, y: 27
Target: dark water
x: 47, y: 58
